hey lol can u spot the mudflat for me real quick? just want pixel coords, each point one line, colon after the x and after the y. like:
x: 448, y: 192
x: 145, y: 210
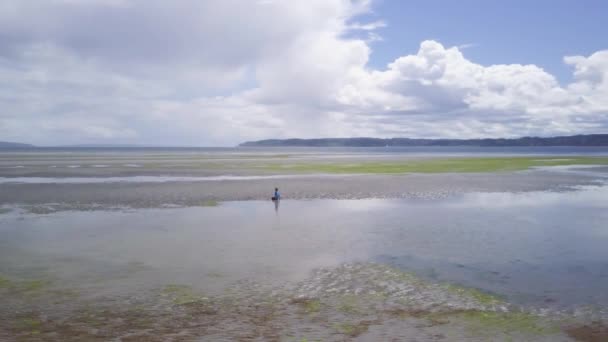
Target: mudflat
x: 84, y: 181
x: 363, y: 247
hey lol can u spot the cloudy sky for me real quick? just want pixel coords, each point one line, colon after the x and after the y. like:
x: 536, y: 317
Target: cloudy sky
x: 216, y: 73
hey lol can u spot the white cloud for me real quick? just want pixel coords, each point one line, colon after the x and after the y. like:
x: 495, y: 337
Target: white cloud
x: 591, y: 81
x: 367, y: 26
x: 220, y: 72
x: 438, y: 88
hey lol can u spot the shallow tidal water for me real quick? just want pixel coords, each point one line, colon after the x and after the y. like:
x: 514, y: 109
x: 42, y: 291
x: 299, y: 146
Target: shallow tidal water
x: 531, y: 248
x: 540, y: 251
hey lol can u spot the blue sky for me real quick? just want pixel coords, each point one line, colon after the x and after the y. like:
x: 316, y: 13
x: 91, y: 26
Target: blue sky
x: 220, y: 72
x: 537, y: 32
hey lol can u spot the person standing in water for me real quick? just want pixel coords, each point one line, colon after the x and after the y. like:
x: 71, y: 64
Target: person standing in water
x: 276, y: 199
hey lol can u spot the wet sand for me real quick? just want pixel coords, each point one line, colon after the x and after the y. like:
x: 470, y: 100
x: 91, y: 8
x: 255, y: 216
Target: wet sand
x: 151, y: 195
x: 188, y: 179
x: 355, y: 302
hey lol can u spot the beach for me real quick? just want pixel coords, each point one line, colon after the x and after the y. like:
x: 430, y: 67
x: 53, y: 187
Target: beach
x: 149, y: 180
x: 363, y: 246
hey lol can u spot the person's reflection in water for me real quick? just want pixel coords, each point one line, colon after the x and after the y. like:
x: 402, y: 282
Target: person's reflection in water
x: 276, y: 224
x: 276, y: 198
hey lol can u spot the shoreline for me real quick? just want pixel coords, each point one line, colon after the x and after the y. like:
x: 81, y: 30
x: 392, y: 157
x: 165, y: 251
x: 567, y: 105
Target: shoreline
x: 87, y: 196
x: 367, y: 300
x: 72, y: 196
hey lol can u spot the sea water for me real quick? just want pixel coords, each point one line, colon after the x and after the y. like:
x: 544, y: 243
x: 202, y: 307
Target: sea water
x: 534, y: 249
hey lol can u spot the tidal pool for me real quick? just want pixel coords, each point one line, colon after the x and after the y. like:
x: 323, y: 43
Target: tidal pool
x: 540, y: 251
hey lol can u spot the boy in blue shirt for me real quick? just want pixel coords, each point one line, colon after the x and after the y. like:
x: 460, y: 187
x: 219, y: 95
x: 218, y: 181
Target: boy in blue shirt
x: 277, y: 195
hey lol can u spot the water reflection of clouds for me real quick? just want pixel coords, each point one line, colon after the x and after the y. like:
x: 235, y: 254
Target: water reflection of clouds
x: 588, y: 196
x: 596, y: 171
x: 568, y: 167
x: 525, y: 236
x: 363, y: 204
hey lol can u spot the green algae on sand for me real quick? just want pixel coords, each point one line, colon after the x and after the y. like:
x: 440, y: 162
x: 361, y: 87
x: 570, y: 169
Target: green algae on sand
x: 209, y: 203
x: 486, y: 323
x: 27, y: 326
x: 439, y: 165
x: 4, y: 282
x: 352, y: 329
x: 477, y: 295
x: 182, y: 294
x: 309, y: 305
x: 29, y: 287
x: 331, y: 309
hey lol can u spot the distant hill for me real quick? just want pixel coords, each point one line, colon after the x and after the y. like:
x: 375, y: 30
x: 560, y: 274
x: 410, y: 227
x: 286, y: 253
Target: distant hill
x: 6, y: 144
x: 574, y: 140
x: 101, y: 146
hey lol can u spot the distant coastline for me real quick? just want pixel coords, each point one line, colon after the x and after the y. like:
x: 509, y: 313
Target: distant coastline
x: 573, y: 140
x: 590, y: 140
x: 7, y: 144
x: 14, y: 145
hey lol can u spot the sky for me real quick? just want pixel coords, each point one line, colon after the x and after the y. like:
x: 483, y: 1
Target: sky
x: 220, y: 72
